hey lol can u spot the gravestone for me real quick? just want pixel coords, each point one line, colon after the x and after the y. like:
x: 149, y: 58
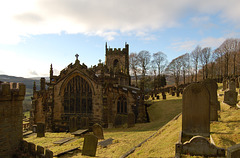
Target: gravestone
x: 224, y: 84
x: 233, y: 151
x: 230, y: 95
x: 158, y: 97
x: 40, y: 130
x: 199, y: 146
x: 72, y: 124
x: 98, y: 131
x: 90, y: 145
x: 40, y: 151
x: 236, y: 82
x: 48, y: 153
x: 173, y: 93
x: 84, y: 123
x: 164, y: 95
x: 153, y: 98
x: 214, y: 103
x: 177, y: 92
x: 195, y: 111
x: 131, y: 120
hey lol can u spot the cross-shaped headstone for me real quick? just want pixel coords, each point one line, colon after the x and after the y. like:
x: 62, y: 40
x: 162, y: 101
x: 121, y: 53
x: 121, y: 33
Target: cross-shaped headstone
x: 76, y: 56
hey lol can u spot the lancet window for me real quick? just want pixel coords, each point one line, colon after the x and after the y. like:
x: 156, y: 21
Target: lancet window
x: 122, y: 105
x: 77, y: 96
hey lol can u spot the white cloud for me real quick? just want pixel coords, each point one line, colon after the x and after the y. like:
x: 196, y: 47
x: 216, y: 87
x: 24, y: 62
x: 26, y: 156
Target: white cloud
x: 104, y: 18
x: 188, y: 46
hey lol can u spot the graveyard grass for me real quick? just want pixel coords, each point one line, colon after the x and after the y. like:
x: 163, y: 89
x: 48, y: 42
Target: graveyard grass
x: 225, y: 132
x: 161, y: 112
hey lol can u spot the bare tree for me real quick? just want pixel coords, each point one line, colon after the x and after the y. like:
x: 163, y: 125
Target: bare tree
x: 174, y: 67
x: 205, y: 55
x: 133, y: 63
x: 160, y: 59
x: 144, y: 58
x: 195, y: 59
x: 184, y: 62
x: 227, y: 47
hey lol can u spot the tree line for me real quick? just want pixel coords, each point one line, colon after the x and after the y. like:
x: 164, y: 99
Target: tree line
x: 199, y: 64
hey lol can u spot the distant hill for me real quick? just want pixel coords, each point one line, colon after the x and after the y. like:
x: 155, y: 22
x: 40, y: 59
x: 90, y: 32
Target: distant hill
x: 29, y: 87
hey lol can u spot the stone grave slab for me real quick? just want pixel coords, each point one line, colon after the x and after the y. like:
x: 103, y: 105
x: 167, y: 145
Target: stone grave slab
x: 80, y: 132
x: 106, y: 142
x: 98, y: 131
x: 65, y: 152
x: 62, y: 141
x: 90, y: 145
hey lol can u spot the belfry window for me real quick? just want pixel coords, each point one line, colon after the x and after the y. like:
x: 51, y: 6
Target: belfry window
x: 122, y: 105
x: 77, y: 96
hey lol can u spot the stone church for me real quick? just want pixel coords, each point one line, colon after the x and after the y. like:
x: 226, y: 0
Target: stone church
x: 81, y: 96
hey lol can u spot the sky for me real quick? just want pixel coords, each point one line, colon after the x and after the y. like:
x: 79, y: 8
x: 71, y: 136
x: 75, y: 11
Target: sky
x: 37, y: 33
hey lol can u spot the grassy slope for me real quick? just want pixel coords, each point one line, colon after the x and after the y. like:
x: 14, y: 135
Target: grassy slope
x: 160, y: 113
x: 225, y: 132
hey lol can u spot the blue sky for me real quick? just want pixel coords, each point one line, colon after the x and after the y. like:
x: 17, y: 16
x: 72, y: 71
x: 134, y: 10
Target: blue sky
x: 36, y: 33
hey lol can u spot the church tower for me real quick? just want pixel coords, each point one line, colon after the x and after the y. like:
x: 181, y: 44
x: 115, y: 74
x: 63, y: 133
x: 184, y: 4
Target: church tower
x: 117, y: 59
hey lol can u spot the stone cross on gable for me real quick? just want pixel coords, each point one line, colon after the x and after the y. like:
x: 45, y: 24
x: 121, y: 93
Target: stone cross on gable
x: 76, y: 56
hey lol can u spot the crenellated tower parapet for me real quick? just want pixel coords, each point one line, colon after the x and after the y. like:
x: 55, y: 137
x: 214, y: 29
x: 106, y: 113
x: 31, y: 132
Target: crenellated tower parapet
x: 11, y: 115
x: 12, y: 91
x: 117, y: 59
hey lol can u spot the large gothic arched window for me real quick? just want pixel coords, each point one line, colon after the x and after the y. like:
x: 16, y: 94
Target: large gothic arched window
x: 122, y: 105
x: 77, y: 96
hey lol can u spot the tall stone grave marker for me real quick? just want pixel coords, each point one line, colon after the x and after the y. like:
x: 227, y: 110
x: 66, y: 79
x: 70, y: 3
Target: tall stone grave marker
x: 224, y: 84
x: 237, y: 83
x: 131, y: 120
x: 214, y: 103
x: 230, y: 96
x: 195, y: 111
x: 90, y: 145
x: 98, y: 131
x: 40, y: 130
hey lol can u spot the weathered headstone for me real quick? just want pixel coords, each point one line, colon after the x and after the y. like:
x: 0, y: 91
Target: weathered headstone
x: 163, y: 95
x: 131, y: 120
x: 40, y: 130
x: 233, y: 151
x: 40, y: 151
x: 178, y: 93
x: 90, y: 145
x: 224, y: 84
x: 236, y: 82
x: 48, y: 153
x: 32, y: 149
x: 199, y: 146
x: 230, y: 96
x: 153, y: 98
x: 195, y: 111
x: 98, y: 131
x: 158, y: 97
x: 84, y: 123
x: 214, y: 103
x: 173, y: 93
